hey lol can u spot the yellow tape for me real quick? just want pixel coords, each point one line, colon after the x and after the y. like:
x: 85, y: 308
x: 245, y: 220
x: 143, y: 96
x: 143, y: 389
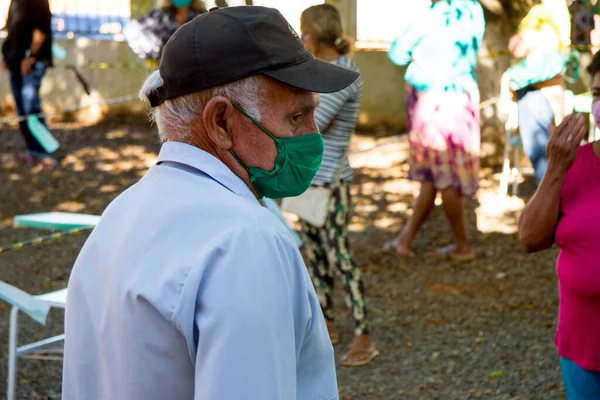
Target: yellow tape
x: 42, y: 239
x: 582, y: 46
x: 105, y: 66
x: 493, y: 54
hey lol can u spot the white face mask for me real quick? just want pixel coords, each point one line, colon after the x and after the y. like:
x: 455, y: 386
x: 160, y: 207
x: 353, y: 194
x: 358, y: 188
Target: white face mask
x: 596, y: 112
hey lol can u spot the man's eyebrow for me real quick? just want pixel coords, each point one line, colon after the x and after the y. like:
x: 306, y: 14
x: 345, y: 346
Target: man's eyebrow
x: 304, y: 108
x: 307, y: 107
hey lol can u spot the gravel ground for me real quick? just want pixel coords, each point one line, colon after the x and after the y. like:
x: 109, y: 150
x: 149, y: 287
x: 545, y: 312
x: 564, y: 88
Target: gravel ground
x: 446, y: 330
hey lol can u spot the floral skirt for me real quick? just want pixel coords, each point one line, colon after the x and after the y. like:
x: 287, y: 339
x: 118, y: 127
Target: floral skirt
x: 444, y: 136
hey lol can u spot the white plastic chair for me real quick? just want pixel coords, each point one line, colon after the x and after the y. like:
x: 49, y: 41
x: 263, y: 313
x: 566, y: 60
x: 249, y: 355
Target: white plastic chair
x: 36, y: 307
x: 512, y: 143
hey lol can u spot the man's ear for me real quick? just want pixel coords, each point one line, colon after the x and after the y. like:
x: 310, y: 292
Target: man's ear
x: 217, y: 121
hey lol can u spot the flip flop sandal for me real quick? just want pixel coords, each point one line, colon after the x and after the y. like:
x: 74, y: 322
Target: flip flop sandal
x: 447, y: 254
x: 390, y: 247
x: 369, y: 355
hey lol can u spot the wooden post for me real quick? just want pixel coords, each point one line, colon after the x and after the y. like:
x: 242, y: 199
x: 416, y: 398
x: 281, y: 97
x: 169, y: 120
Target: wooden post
x: 347, y: 10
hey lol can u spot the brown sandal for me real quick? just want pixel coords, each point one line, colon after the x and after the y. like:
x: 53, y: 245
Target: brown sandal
x: 363, y: 357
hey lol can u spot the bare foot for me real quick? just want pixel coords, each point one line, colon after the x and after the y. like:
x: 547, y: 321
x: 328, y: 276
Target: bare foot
x: 48, y: 163
x: 333, y: 335
x: 362, y: 352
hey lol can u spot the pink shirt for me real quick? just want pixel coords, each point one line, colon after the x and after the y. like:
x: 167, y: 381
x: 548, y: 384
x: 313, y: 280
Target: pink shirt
x: 578, y: 264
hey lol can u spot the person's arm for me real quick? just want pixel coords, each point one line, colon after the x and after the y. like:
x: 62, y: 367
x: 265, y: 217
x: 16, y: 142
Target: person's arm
x: 539, y: 218
x: 5, y: 43
x: 31, y: 56
x: 42, y: 23
x: 521, y: 44
x: 250, y: 316
x: 538, y: 221
x: 400, y: 52
x: 37, y: 42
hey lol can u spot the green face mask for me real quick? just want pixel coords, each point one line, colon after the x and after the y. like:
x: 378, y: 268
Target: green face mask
x: 298, y: 160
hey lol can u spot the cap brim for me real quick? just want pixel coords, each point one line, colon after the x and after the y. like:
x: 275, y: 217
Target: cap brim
x: 315, y: 76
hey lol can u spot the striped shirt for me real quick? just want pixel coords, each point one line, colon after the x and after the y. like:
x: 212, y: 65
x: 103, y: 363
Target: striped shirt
x: 336, y: 117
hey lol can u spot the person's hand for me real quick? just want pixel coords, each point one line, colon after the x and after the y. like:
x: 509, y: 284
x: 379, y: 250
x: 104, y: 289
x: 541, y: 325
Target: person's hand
x: 564, y: 142
x: 4, y: 65
x: 27, y: 65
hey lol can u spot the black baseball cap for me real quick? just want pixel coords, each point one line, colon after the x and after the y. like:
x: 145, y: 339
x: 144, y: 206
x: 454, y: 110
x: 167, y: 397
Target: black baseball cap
x: 233, y: 43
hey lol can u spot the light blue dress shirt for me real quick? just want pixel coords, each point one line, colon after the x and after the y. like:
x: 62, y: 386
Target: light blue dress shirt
x: 189, y: 289
x: 441, y: 45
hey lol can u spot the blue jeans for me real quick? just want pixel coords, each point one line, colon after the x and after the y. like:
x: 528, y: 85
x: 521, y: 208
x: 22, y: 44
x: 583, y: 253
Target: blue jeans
x: 535, y: 114
x: 580, y: 384
x: 26, y: 92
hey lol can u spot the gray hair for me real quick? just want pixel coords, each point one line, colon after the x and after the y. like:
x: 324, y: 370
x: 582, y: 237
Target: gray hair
x: 173, y: 118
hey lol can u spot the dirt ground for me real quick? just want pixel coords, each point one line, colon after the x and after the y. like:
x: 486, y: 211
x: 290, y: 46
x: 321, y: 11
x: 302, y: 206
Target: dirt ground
x: 446, y: 330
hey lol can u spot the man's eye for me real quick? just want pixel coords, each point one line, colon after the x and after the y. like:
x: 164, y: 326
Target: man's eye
x: 297, y: 117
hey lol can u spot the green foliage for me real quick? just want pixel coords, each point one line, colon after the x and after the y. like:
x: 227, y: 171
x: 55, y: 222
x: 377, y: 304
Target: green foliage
x: 141, y: 7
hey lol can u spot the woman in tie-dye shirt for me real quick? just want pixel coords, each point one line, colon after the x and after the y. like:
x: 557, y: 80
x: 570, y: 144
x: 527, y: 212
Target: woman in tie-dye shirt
x: 442, y: 105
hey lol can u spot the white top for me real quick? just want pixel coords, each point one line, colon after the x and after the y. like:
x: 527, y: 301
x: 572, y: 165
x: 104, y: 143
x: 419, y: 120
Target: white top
x: 189, y: 289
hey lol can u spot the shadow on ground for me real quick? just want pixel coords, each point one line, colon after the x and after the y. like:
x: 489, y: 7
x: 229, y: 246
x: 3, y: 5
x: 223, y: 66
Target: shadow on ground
x: 479, y: 330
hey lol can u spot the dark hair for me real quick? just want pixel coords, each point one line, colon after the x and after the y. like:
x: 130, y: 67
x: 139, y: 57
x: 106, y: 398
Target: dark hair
x: 594, y: 66
x: 325, y: 25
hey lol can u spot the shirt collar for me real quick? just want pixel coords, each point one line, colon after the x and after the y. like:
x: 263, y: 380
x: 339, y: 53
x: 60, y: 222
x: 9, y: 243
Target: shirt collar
x: 206, y: 163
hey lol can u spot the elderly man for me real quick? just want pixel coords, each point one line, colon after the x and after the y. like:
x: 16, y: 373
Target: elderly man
x: 188, y: 288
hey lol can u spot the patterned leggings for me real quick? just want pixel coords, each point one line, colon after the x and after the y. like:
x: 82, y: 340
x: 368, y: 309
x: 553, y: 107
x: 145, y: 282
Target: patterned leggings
x: 328, y: 247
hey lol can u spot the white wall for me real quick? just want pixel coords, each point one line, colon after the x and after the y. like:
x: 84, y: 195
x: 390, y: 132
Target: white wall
x: 290, y: 9
x: 60, y: 89
x: 379, y: 22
